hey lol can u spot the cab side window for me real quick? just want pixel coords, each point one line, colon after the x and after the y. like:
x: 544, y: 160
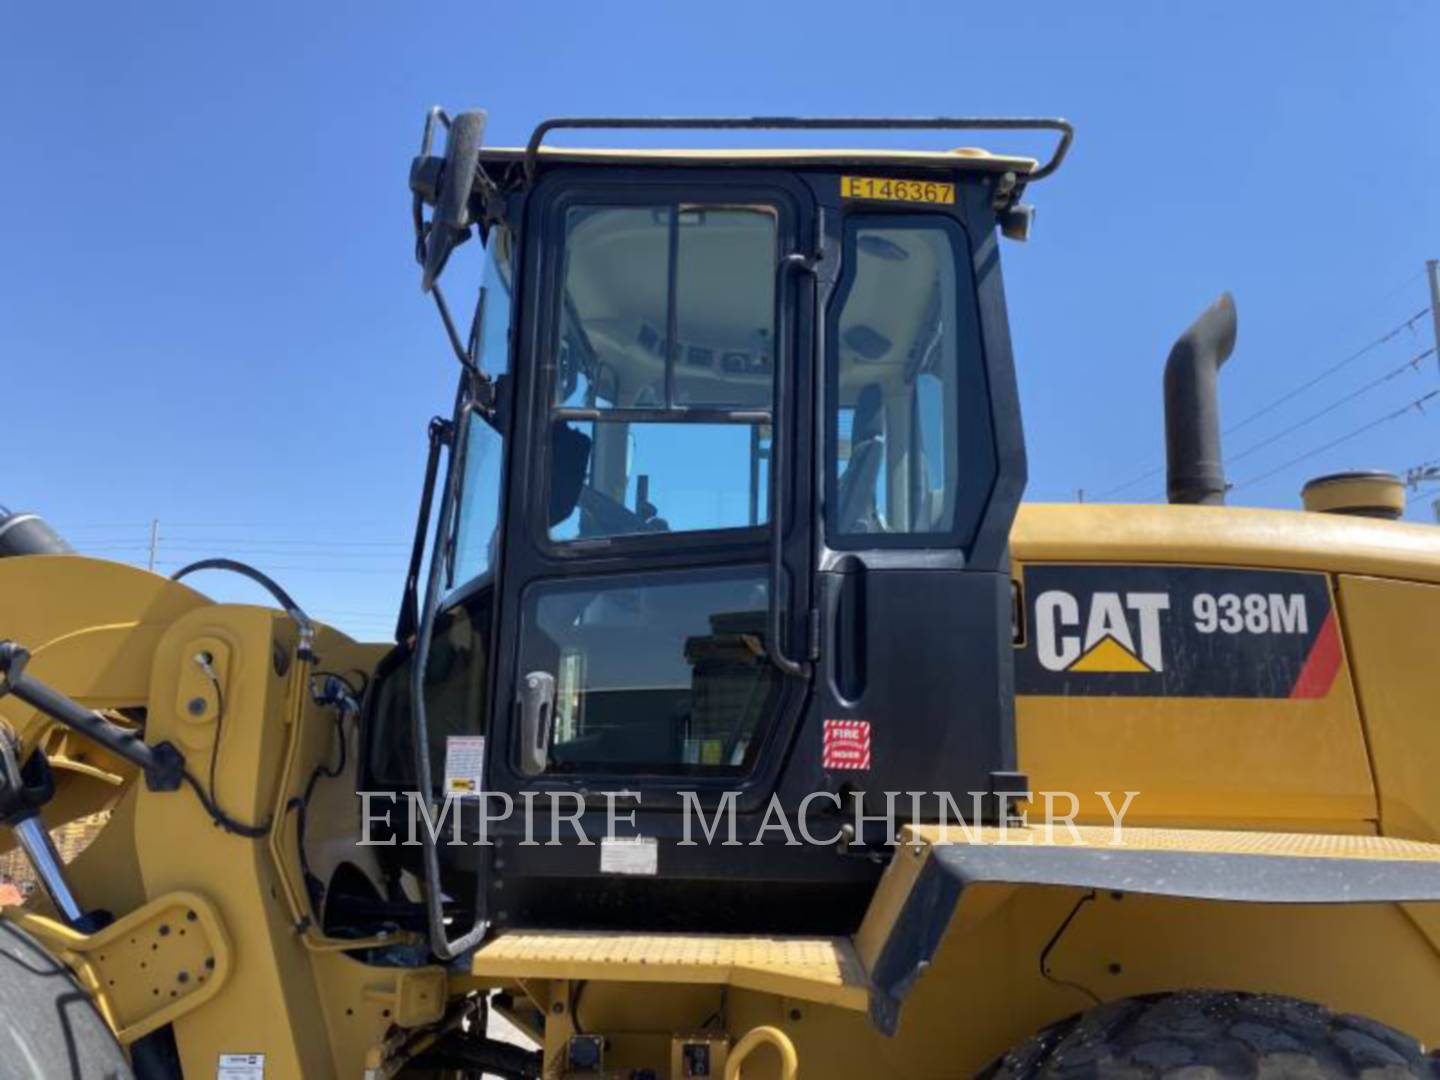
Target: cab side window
x: 912, y: 454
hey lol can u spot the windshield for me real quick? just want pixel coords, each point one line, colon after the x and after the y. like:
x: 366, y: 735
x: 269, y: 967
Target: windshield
x: 661, y: 404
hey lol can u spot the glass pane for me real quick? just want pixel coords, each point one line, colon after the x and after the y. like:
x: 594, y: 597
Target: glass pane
x: 725, y: 306
x: 480, y: 492
x: 908, y: 361
x: 657, y: 676
x: 610, y: 478
x: 632, y: 272
x: 477, y: 534
x: 615, y: 309
x: 455, y: 696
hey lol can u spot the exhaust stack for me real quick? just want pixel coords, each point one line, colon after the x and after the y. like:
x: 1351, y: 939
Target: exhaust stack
x: 1194, y: 470
x: 29, y: 534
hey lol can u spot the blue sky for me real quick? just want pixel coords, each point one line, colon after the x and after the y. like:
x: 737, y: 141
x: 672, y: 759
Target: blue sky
x: 209, y: 314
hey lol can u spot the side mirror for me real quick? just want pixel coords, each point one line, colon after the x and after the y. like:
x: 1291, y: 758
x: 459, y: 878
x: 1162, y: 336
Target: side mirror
x: 447, y: 184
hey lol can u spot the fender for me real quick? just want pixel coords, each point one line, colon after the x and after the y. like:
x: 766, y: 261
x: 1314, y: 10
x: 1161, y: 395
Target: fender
x: 935, y: 866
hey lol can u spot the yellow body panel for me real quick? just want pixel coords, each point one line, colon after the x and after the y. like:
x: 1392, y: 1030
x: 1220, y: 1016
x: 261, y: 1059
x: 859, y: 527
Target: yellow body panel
x: 1255, y: 763
x: 1393, y: 629
x: 1225, y: 536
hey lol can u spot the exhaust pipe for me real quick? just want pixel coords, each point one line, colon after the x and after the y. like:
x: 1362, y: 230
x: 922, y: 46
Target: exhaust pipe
x: 29, y: 534
x: 1194, y: 470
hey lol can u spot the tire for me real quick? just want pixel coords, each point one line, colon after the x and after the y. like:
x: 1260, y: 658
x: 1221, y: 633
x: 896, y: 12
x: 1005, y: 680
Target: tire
x: 1215, y: 1035
x: 48, y: 1025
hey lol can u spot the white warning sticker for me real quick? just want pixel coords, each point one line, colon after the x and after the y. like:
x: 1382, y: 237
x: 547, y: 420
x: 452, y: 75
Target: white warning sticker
x: 240, y: 1067
x: 638, y: 855
x: 464, y: 764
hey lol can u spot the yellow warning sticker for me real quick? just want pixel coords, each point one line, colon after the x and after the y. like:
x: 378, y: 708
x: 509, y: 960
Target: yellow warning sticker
x: 912, y: 191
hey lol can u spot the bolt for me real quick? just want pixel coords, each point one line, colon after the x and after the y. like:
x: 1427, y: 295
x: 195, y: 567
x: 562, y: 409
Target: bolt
x: 557, y: 1008
x: 196, y: 705
x: 794, y: 1014
x: 183, y: 977
x: 1115, y: 969
x: 164, y: 930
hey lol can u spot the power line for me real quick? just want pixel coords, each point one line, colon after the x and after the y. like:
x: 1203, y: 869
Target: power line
x: 1389, y: 335
x: 250, y: 542
x: 1408, y: 324
x: 1156, y: 471
x: 242, y: 549
x: 89, y: 526
x: 296, y: 569
x: 1417, y: 405
x: 1413, y: 364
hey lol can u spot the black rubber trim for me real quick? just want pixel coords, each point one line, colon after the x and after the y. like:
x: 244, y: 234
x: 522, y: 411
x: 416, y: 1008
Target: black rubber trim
x: 1252, y: 879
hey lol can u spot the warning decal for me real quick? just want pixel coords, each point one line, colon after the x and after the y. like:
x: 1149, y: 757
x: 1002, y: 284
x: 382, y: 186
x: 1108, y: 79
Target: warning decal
x: 636, y: 855
x: 1176, y: 631
x: 846, y: 745
x: 240, y: 1067
x: 464, y: 764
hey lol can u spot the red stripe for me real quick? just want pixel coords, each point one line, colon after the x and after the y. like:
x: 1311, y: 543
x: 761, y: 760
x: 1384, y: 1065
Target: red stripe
x: 1321, y: 666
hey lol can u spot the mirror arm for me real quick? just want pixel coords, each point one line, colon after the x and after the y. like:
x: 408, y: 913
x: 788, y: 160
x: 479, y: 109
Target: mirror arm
x: 464, y: 355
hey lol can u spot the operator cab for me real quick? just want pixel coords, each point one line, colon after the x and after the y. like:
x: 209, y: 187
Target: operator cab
x: 735, y: 456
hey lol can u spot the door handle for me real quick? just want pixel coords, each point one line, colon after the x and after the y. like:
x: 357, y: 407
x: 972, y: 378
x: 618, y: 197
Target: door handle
x: 536, y: 702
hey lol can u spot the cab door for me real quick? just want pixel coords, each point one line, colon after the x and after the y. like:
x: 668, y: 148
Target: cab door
x: 640, y: 584
x: 923, y: 464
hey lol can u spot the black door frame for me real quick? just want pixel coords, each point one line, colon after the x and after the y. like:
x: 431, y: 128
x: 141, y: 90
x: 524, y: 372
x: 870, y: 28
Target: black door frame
x: 529, y: 557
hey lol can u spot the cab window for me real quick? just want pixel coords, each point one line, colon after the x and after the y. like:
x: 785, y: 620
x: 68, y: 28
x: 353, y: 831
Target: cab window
x: 911, y: 451
x: 654, y: 674
x: 660, y: 412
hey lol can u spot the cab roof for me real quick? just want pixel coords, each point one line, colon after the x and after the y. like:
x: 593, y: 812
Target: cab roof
x: 536, y: 155
x: 965, y: 157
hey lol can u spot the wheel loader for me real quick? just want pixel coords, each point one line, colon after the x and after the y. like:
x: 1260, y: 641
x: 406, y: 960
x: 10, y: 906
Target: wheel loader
x: 739, y: 721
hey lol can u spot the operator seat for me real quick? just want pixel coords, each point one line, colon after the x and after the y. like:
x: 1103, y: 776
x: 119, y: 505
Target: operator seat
x: 856, y: 511
x: 569, y: 462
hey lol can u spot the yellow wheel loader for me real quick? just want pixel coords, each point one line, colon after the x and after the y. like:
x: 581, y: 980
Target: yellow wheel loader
x: 739, y: 720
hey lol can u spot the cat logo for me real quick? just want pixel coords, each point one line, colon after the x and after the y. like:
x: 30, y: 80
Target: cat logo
x: 1117, y: 632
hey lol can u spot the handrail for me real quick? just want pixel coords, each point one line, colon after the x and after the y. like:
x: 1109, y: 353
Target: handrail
x: 809, y: 123
x: 774, y: 647
x: 441, y: 944
x: 753, y: 1040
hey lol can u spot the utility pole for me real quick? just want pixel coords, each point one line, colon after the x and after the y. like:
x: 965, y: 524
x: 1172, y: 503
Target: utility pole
x: 154, y: 539
x: 1432, y: 267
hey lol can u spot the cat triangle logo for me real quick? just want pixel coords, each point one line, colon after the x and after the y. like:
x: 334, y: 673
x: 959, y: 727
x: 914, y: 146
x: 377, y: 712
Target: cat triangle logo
x: 1109, y: 655
x: 1108, y: 632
